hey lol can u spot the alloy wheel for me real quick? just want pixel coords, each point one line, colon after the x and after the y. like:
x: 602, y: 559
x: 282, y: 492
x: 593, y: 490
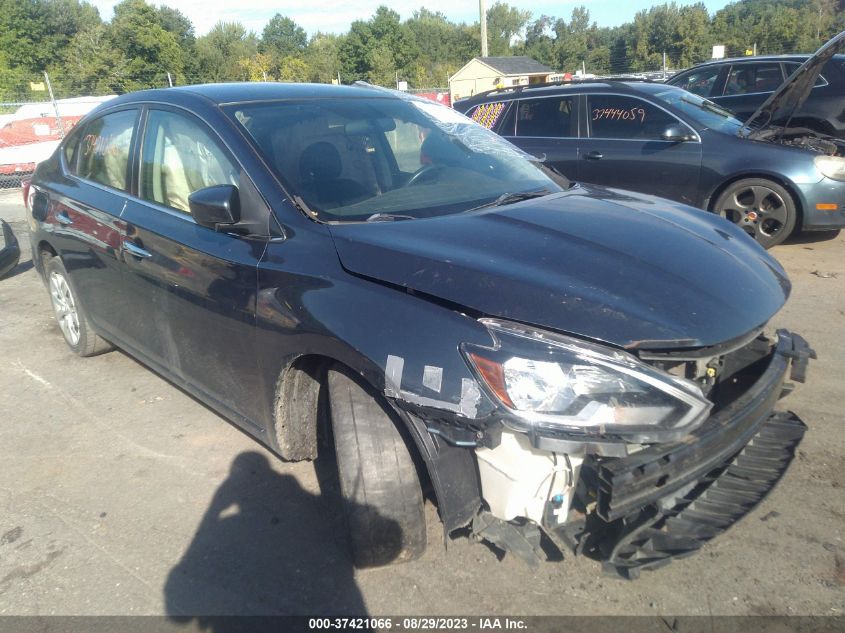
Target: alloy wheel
x: 65, y: 308
x: 758, y: 210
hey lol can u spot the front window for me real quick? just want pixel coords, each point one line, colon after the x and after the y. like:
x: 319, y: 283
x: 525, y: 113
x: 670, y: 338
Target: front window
x: 700, y: 82
x: 178, y: 158
x: 388, y: 158
x: 627, y: 118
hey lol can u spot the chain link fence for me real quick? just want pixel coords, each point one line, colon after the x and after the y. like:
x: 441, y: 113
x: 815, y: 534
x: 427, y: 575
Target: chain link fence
x: 31, y: 130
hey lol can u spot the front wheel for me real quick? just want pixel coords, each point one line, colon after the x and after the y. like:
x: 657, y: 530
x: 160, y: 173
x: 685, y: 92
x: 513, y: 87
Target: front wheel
x: 70, y: 314
x: 378, y: 478
x: 762, y: 208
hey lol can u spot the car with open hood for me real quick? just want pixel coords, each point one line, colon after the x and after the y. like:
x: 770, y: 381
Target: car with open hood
x: 355, y: 272
x: 743, y: 84
x: 767, y: 175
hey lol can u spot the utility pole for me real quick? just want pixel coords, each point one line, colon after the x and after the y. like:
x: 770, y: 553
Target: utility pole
x: 482, y: 11
x: 169, y: 79
x: 664, y: 64
x: 55, y: 105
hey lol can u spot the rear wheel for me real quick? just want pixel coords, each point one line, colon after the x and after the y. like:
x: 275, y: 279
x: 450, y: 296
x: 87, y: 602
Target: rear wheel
x: 762, y: 208
x: 70, y: 314
x: 378, y: 479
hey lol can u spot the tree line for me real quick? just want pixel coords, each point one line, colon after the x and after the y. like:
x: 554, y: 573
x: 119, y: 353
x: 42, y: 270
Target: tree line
x: 144, y: 46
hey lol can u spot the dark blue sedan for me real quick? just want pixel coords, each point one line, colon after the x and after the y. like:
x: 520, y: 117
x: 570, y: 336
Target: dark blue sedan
x: 665, y: 141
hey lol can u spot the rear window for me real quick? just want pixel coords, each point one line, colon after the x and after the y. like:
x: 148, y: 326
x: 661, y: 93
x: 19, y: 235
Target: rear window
x: 546, y: 117
x: 753, y: 78
x: 791, y: 67
x: 104, y: 149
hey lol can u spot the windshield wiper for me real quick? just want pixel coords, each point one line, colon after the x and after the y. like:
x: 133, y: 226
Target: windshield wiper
x: 712, y: 107
x: 388, y: 217
x: 513, y: 196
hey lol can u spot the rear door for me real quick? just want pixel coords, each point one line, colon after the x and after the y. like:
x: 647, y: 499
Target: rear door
x: 748, y: 85
x: 547, y: 127
x: 192, y: 289
x: 625, y: 149
x: 84, y: 214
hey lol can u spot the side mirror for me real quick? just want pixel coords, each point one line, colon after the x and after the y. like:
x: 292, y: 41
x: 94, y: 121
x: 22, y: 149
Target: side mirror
x: 215, y: 206
x: 677, y: 133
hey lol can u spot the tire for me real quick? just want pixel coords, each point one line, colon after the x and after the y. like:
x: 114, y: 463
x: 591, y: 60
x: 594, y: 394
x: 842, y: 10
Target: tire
x: 761, y: 207
x: 378, y: 479
x: 70, y: 315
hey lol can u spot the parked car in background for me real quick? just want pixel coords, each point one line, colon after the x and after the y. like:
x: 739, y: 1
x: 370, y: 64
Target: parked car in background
x: 742, y: 85
x: 665, y: 141
x: 550, y: 358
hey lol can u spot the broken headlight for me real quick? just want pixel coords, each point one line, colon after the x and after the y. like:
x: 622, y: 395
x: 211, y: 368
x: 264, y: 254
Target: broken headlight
x: 562, y: 384
x: 831, y: 166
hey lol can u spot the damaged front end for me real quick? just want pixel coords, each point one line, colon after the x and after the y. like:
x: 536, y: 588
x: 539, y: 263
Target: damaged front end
x: 629, y: 458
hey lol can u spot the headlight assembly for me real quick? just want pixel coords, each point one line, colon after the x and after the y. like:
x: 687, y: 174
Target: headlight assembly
x: 831, y: 166
x: 564, y: 385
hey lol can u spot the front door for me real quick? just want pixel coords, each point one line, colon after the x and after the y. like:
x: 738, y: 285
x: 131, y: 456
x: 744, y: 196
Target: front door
x: 625, y: 149
x: 192, y: 288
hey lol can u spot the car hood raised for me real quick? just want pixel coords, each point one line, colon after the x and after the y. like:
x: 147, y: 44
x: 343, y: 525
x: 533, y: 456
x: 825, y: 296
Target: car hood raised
x: 793, y: 92
x: 627, y: 269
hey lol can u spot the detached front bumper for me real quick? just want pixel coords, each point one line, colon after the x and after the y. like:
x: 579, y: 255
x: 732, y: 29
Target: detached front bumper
x: 668, y: 500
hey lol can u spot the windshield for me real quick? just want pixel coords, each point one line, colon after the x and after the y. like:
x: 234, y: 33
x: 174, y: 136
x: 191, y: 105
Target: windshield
x: 385, y: 158
x: 705, y: 112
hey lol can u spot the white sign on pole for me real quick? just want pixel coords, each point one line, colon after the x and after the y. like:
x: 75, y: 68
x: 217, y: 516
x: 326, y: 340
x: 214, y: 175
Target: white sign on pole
x: 719, y: 51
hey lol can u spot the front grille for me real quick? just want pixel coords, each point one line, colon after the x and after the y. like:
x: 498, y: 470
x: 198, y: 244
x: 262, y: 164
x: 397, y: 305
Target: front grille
x: 654, y: 537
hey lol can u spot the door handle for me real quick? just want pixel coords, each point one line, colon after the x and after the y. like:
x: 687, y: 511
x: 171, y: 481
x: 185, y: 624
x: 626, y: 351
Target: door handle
x: 64, y: 218
x: 134, y: 249
x: 593, y: 155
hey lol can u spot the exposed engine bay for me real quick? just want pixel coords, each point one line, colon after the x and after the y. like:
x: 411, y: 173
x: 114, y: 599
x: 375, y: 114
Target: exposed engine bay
x: 803, y: 138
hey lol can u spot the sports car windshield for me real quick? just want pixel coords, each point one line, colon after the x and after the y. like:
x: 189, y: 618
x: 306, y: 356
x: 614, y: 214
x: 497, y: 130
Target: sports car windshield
x: 387, y: 158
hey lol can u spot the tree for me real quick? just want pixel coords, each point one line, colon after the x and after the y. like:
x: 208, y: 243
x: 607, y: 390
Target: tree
x: 377, y: 49
x: 259, y: 67
x: 504, y: 23
x: 220, y: 50
x: 293, y: 68
x: 282, y: 37
x: 323, y: 57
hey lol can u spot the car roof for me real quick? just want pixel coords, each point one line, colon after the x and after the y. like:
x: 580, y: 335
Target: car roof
x: 802, y: 57
x: 624, y: 85
x: 241, y: 92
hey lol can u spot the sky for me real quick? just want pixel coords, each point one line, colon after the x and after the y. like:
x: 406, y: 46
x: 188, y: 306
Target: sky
x: 335, y: 16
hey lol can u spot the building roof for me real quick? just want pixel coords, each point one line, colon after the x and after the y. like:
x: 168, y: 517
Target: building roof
x: 515, y: 65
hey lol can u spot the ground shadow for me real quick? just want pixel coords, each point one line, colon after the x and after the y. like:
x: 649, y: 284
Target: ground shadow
x: 21, y: 267
x: 265, y: 546
x: 811, y: 237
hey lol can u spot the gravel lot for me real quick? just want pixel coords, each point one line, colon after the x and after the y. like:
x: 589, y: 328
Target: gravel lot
x: 120, y: 494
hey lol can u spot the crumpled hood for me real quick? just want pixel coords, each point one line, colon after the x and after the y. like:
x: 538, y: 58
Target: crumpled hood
x: 793, y: 92
x: 627, y: 269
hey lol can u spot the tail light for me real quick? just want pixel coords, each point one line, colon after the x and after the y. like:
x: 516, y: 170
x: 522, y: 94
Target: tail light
x: 25, y: 187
